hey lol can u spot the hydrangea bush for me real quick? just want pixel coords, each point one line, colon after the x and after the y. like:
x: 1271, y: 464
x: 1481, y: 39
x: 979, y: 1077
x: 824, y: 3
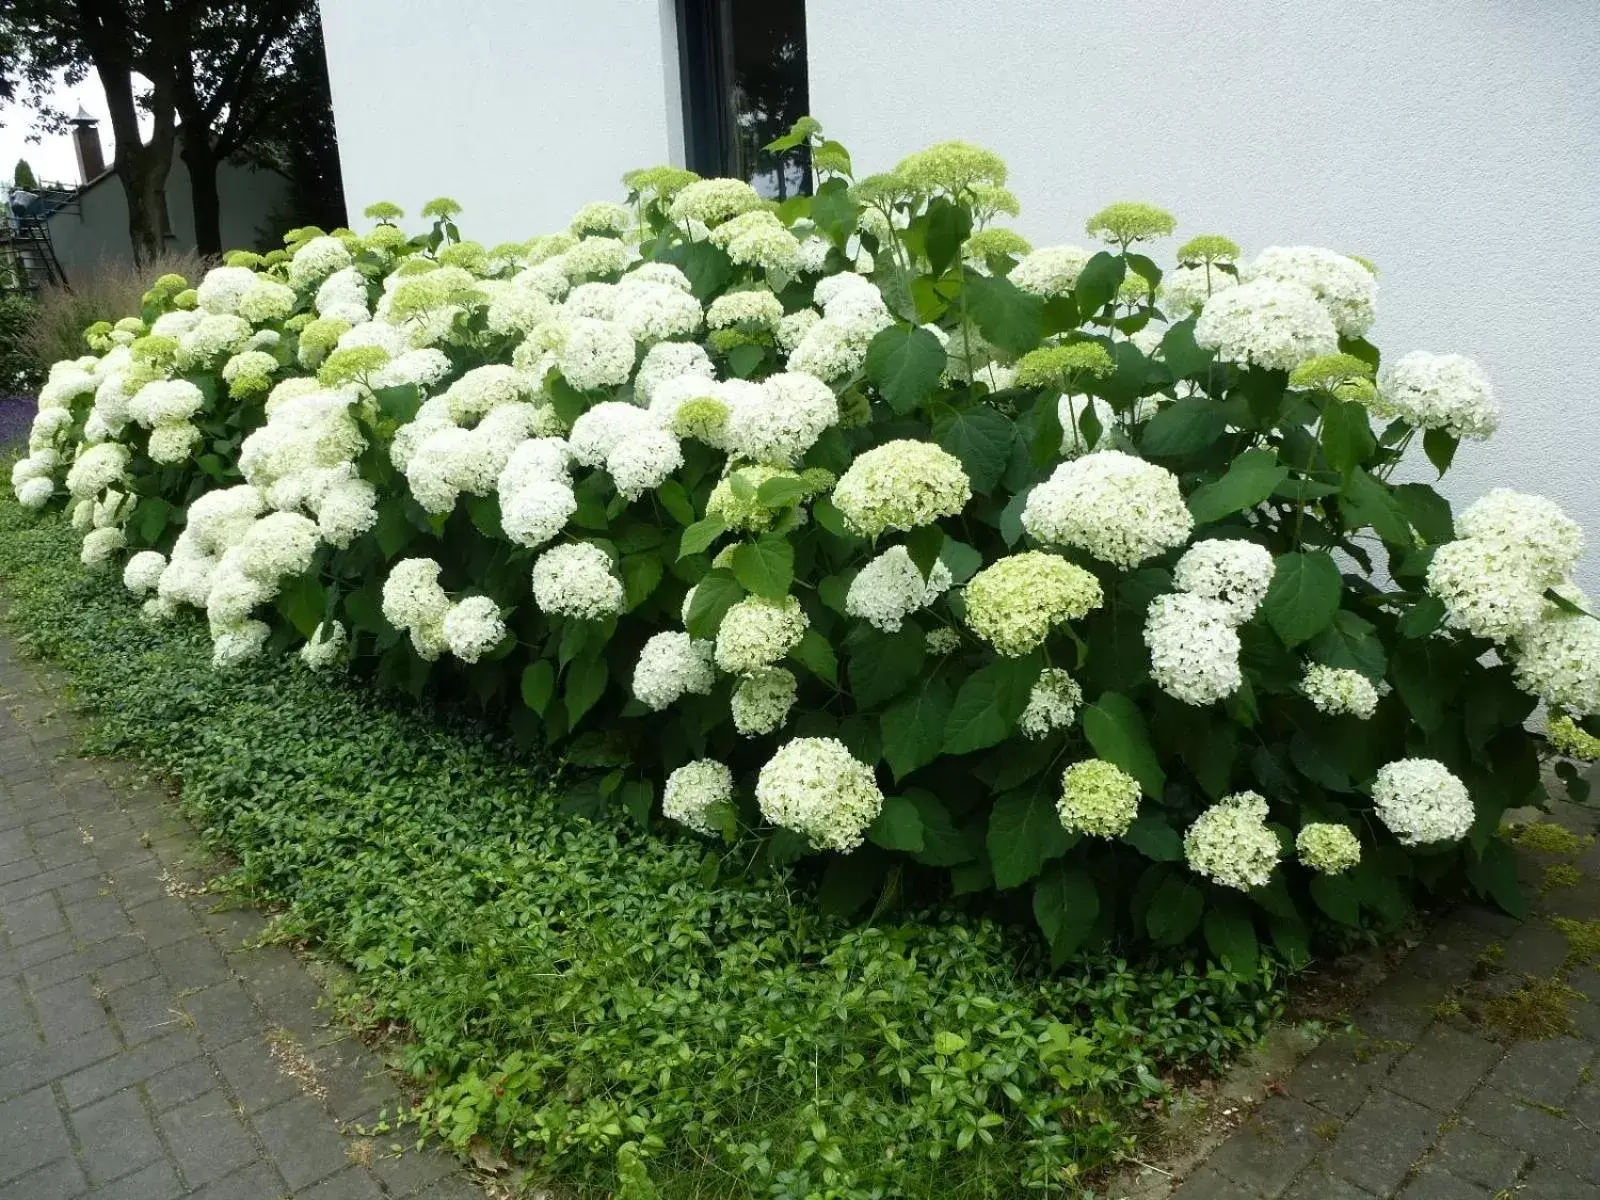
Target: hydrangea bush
x: 857, y: 528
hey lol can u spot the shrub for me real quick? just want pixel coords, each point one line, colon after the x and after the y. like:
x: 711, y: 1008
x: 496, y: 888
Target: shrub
x: 1048, y: 573
x: 20, y: 371
x: 585, y: 997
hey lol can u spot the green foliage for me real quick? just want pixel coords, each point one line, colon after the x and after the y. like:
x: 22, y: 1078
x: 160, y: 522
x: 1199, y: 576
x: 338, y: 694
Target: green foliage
x: 20, y: 371
x: 632, y: 1015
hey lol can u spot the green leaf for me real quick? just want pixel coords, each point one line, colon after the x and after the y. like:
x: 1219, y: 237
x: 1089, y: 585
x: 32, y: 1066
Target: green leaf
x: 744, y: 359
x: 399, y: 403
x: 1440, y: 447
x: 988, y: 705
x: 699, y: 536
x: 586, y: 682
x: 1303, y: 596
x: 780, y: 490
x: 676, y: 501
x: 1184, y: 427
x: 1351, y: 643
x: 898, y: 826
x: 947, y: 225
x: 707, y: 268
x: 713, y: 596
x: 1422, y: 618
x: 149, y: 519
x: 1099, y: 280
x: 913, y: 728
x: 1347, y: 438
x: 881, y: 664
x: 1337, y: 896
x: 393, y: 531
x: 1231, y: 934
x: 1115, y: 728
x: 1182, y: 354
x: 1174, y: 911
x: 1428, y: 512
x: 847, y: 884
x: 904, y: 363
x: 765, y: 566
x: 943, y: 845
x: 1007, y: 316
x: 1368, y: 502
x: 817, y: 656
x: 1152, y: 837
x: 981, y: 438
x: 1024, y: 833
x: 961, y: 560
x: 833, y: 212
x: 641, y: 574
x: 830, y: 518
x: 1065, y: 903
x: 1250, y: 479
x: 923, y: 544
x: 538, y: 685
x: 302, y: 602
x: 1426, y: 676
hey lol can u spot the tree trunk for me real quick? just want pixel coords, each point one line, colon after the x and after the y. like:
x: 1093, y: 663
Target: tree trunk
x: 201, y: 160
x: 142, y: 169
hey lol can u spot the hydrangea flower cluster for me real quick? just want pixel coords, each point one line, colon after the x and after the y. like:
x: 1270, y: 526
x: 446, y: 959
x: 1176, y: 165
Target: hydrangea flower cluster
x: 672, y: 665
x: 1439, y: 391
x: 817, y: 788
x: 576, y: 580
x: 1230, y: 843
x: 1194, y: 648
x: 1014, y: 603
x: 1052, y: 704
x: 756, y: 632
x: 1330, y: 849
x: 1339, y: 690
x: 1266, y: 322
x: 1098, y: 798
x: 1421, y: 801
x: 1234, y: 573
x: 693, y: 790
x: 901, y: 485
x: 1345, y: 288
x: 1112, y: 505
x: 891, y: 587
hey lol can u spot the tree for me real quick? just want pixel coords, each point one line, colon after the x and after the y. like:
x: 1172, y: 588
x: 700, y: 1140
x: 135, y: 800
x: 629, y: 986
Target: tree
x: 23, y: 176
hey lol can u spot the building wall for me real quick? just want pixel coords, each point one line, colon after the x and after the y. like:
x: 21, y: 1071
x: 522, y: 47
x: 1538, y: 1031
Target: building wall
x: 519, y: 109
x: 99, y: 231
x: 1456, y: 143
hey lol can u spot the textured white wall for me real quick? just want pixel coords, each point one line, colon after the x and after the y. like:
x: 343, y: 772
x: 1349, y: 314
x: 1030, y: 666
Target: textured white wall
x: 1456, y: 143
x: 519, y: 109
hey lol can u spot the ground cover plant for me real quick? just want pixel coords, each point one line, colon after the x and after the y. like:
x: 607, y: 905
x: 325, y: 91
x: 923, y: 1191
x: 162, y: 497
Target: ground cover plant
x: 614, y: 1007
x: 858, y: 533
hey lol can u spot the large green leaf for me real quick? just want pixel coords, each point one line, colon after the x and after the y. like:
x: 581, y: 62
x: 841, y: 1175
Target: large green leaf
x: 1352, y: 643
x: 1115, y: 728
x: 765, y: 566
x: 1347, y: 438
x: 1184, y: 427
x: 1099, y: 280
x: 1152, y: 837
x: 1065, y: 903
x: 1174, y: 911
x: 815, y: 653
x: 700, y: 535
x: 1426, y: 675
x: 881, y: 664
x: 946, y: 226
x: 538, y: 685
x: 1183, y: 356
x: 1303, y: 597
x: 833, y: 212
x: 713, y: 596
x: 1368, y: 502
x: 1006, y: 315
x: 943, y: 845
x: 1428, y: 512
x: 1024, y: 833
x: 988, y: 705
x: 1231, y: 934
x: 904, y: 363
x: 913, y: 728
x: 1250, y: 479
x: 898, y: 826
x: 981, y: 438
x: 586, y: 682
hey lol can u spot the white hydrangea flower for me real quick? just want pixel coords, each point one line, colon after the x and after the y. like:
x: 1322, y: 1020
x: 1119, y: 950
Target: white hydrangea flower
x: 943, y: 640
x: 1528, y: 528
x: 1421, y: 802
x: 1050, y: 270
x: 759, y: 239
x: 757, y: 632
x: 1330, y: 849
x: 755, y: 306
x: 853, y: 314
x: 1345, y: 288
x: 595, y: 354
x: 1336, y: 690
x: 1052, y: 704
x: 791, y: 329
x: 902, y: 485
x: 670, y: 360
x: 142, y: 574
x: 472, y: 627
x: 223, y: 288
x: 212, y: 337
x: 711, y: 201
x: 817, y: 788
x: 655, y: 312
x: 483, y: 389
x: 1558, y: 658
x: 1194, y: 649
x: 1439, y: 391
x: 66, y: 383
x: 316, y: 260
x: 238, y: 643
x: 693, y: 789
x: 96, y: 469
x: 165, y: 401
x: 267, y: 300
x: 35, y: 492
x: 220, y: 519
x: 172, y: 443
x: 176, y: 323
x: 1266, y: 323
x: 576, y: 580
x: 1115, y: 506
x: 1234, y: 573
x: 891, y: 587
x: 343, y: 294
x: 1230, y: 843
x: 1485, y: 588
x: 602, y: 216
x: 412, y: 596
x: 790, y: 412
x: 595, y: 256
x: 761, y: 702
x: 100, y: 544
x: 671, y: 665
x: 324, y: 647
x: 1097, y: 798
x: 1185, y: 288
x: 660, y: 272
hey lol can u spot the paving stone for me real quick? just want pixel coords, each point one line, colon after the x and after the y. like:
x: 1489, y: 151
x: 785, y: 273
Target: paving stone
x: 1535, y: 950
x: 223, y: 1013
x: 1443, y: 1067
x: 1543, y: 1134
x: 192, y: 963
x: 134, y: 1066
x: 258, y: 1181
x: 80, y: 961
x: 457, y: 1188
x: 32, y: 1132
x: 407, y: 1173
x: 96, y: 920
x: 1468, y: 1154
x: 1272, y: 1146
x: 158, y: 1181
x: 208, y: 1138
x: 1377, y: 1146
x: 141, y: 964
x: 145, y: 1010
x: 1549, y: 1182
x: 1434, y: 1183
x: 69, y: 1010
x: 1317, y: 1184
x: 60, y: 1180
x: 1340, y: 1073
x: 163, y: 921
x: 52, y: 1062
x: 1545, y: 1072
x: 301, y: 1141
x: 115, y: 1137
x: 249, y: 1070
x: 1399, y: 1008
x: 27, y: 920
x: 353, y: 1184
x: 181, y: 1084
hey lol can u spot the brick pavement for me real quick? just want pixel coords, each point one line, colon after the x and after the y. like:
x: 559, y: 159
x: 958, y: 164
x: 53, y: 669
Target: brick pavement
x: 149, y: 1049
x: 1471, y: 1073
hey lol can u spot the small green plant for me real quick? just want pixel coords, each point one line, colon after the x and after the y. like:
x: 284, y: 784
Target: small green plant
x: 1539, y: 1009
x: 1583, y: 939
x: 1560, y: 875
x: 1546, y: 837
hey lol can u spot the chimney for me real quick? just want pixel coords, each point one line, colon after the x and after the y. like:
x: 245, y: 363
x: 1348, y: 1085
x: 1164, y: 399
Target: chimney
x: 86, y: 140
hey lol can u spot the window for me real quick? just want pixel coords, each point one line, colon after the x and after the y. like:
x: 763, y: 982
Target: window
x: 743, y: 67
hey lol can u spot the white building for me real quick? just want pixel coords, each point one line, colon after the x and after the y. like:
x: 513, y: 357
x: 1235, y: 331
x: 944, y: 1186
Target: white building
x: 1456, y: 143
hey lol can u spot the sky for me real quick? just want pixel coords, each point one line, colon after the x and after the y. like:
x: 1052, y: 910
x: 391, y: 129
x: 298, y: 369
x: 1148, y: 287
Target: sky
x: 52, y: 158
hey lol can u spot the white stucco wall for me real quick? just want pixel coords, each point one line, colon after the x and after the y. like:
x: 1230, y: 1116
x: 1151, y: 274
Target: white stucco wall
x: 518, y: 109
x: 1456, y: 143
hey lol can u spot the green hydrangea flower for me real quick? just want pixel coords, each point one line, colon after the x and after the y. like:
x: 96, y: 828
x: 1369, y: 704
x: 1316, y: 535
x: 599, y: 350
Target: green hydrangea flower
x: 995, y: 243
x: 351, y: 364
x: 441, y: 208
x: 951, y: 167
x: 1572, y: 740
x: 1127, y: 222
x: 1209, y: 248
x: 384, y: 211
x: 1063, y: 367
x: 1097, y: 798
x: 661, y: 182
x: 1014, y: 603
x: 470, y: 256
